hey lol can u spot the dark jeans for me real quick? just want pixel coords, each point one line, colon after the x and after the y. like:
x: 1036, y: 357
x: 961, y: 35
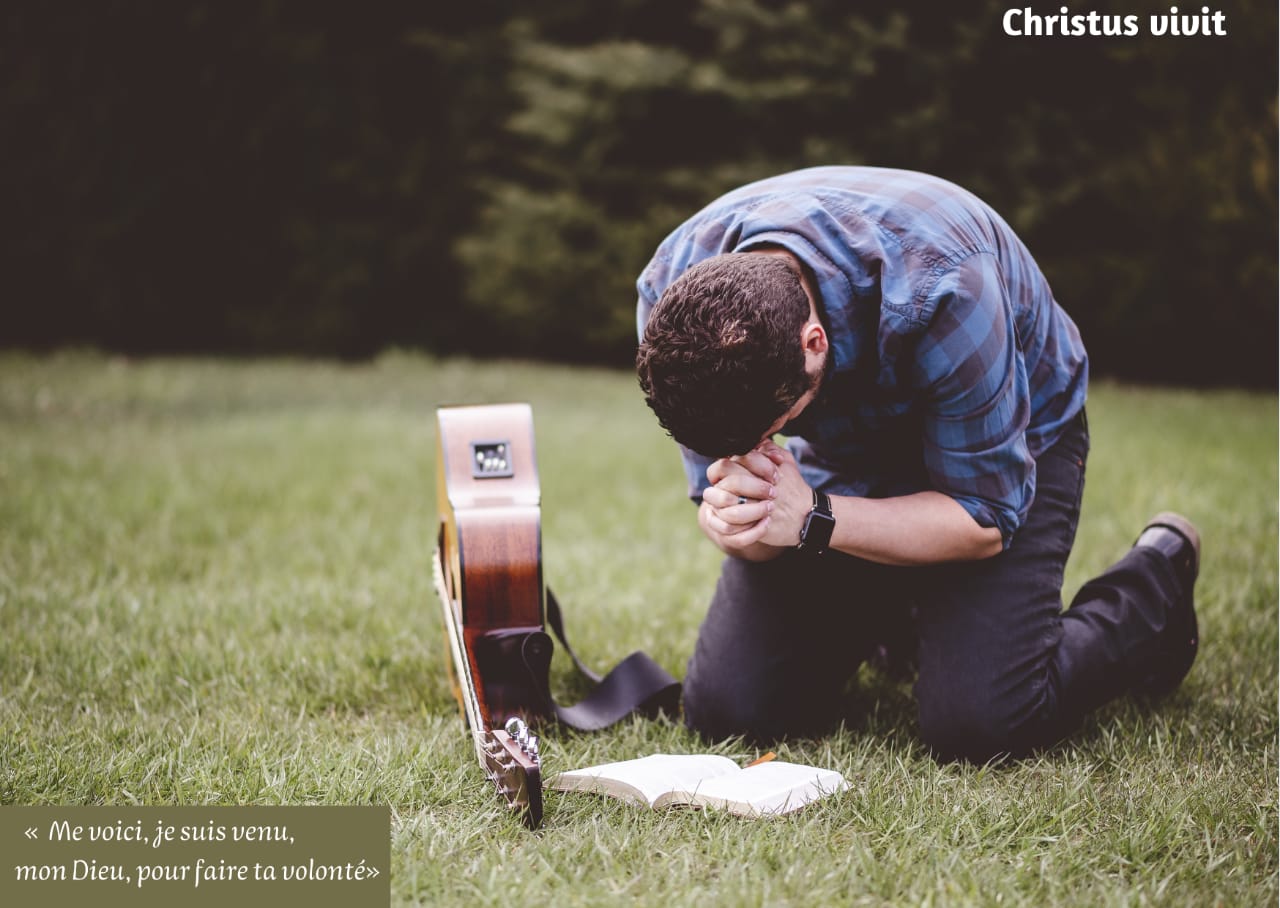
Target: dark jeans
x: 1002, y: 669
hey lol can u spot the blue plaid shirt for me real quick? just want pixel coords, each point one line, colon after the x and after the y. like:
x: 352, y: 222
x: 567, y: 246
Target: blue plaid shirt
x: 954, y: 367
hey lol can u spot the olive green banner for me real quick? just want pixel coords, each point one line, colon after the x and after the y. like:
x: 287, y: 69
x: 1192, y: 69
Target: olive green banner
x: 196, y: 856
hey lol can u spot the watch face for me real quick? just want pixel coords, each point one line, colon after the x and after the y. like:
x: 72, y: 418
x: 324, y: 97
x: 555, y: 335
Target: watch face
x: 817, y: 531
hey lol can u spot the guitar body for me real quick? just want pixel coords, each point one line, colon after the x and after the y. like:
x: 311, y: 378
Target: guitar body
x: 489, y: 579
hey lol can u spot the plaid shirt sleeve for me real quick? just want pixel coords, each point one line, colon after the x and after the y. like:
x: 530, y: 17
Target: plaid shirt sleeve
x: 978, y: 402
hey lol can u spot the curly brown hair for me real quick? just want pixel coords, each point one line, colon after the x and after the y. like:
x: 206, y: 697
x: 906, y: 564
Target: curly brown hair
x: 721, y: 358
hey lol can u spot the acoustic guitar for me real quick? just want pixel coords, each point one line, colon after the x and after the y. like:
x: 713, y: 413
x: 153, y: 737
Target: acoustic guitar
x: 488, y: 574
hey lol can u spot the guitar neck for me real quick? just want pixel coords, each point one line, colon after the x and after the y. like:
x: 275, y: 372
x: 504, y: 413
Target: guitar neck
x: 509, y: 757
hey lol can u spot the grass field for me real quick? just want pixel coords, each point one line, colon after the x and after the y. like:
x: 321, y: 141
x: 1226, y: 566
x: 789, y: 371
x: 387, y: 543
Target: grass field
x: 215, y: 589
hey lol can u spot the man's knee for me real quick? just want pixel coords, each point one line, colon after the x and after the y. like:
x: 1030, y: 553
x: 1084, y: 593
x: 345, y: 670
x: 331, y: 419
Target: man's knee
x: 718, y: 706
x: 975, y: 735
x: 716, y: 716
x: 981, y: 724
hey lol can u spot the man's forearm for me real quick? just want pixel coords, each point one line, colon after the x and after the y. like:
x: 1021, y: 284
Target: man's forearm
x: 758, y: 503
x: 923, y: 528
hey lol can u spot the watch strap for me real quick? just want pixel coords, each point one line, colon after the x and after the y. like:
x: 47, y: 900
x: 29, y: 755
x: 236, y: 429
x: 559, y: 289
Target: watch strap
x: 820, y: 523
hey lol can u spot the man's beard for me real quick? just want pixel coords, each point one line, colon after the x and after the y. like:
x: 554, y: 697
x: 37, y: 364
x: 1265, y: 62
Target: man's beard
x: 818, y: 381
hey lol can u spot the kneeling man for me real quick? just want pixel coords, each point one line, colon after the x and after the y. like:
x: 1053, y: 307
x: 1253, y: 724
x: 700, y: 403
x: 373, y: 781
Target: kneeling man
x: 932, y: 394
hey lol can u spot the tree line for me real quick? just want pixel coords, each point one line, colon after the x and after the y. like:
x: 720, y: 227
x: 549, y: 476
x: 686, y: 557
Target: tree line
x: 489, y: 178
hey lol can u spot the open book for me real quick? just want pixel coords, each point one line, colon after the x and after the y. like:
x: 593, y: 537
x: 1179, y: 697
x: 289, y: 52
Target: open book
x: 706, y: 780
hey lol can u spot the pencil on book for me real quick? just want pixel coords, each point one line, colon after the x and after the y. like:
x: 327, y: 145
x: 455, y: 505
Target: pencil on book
x: 765, y: 759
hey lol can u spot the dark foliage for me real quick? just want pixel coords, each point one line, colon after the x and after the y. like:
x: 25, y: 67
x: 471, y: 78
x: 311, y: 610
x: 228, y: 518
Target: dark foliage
x: 489, y: 178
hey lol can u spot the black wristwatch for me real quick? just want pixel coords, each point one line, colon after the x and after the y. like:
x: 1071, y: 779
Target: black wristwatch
x: 815, y: 535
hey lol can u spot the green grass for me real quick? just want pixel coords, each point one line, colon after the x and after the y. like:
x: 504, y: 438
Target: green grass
x: 215, y: 589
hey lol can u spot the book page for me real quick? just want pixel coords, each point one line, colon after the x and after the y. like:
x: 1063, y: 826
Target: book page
x: 770, y: 788
x: 646, y: 779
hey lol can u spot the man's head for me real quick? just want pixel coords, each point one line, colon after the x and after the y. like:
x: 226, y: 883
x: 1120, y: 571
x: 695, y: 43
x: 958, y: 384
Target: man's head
x: 730, y: 350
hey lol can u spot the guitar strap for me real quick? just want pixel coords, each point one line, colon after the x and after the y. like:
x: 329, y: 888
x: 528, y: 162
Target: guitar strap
x: 636, y: 684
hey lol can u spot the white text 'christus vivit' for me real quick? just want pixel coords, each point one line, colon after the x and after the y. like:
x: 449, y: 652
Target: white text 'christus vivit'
x: 1027, y: 23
